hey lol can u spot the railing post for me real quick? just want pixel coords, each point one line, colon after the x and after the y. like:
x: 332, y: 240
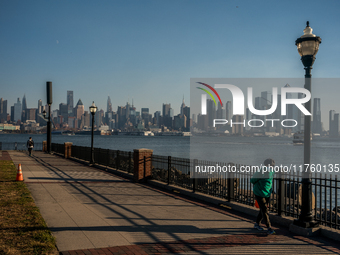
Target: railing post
x: 142, y: 164
x: 194, y: 180
x: 194, y: 185
x: 280, y: 196
x: 336, y: 201
x: 0, y: 146
x: 44, y: 146
x: 231, y: 184
x: 67, y: 149
x: 117, y: 161
x: 169, y: 170
x: 130, y: 165
x: 15, y: 146
x: 144, y: 167
x: 107, y: 158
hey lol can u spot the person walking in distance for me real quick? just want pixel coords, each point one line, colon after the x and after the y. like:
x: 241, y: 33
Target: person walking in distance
x: 30, y: 145
x: 263, y: 187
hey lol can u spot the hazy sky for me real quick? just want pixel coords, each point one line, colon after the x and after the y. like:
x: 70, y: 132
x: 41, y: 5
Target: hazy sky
x: 149, y: 50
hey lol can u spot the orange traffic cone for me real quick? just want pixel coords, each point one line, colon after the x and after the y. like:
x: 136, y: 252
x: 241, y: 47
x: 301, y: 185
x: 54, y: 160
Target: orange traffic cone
x: 20, y: 178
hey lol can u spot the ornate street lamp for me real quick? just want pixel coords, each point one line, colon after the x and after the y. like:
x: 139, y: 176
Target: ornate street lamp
x: 308, y: 46
x: 93, y: 109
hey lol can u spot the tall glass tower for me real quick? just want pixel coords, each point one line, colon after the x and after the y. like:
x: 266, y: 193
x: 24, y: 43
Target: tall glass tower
x: 317, y: 126
x: 70, y: 103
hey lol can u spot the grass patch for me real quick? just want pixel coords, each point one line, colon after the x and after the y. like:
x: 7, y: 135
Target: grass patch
x: 22, y: 228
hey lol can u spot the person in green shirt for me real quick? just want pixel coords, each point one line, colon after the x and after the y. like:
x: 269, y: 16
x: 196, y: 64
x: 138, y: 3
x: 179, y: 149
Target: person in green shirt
x: 262, y: 181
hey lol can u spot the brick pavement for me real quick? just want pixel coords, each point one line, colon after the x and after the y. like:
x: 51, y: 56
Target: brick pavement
x: 4, y: 155
x: 201, y: 244
x: 204, y: 244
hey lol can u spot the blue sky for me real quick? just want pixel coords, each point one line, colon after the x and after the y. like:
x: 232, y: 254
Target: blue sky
x: 149, y: 50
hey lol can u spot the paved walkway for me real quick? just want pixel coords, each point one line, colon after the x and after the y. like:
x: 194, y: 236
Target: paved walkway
x: 92, y: 212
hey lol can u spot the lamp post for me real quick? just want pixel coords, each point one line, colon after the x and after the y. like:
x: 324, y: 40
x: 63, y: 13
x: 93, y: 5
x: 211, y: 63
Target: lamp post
x: 93, y: 109
x: 49, y: 102
x: 48, y: 129
x: 308, y: 46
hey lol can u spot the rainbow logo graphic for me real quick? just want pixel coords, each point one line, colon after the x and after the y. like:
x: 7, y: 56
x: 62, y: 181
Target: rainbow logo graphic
x: 209, y: 93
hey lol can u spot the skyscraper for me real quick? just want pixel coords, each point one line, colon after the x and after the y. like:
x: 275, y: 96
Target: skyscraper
x: 238, y: 128
x: 40, y: 106
x: 289, y: 109
x: 99, y: 118
x: 30, y: 113
x: 211, y: 112
x: 248, y: 117
x: 109, y: 105
x: 220, y: 114
x: 171, y: 113
x: 12, y: 113
x: 331, y: 119
x: 85, y: 120
x: 24, y: 108
x: 79, y: 111
x: 300, y: 116
x: 3, y: 110
x: 121, y: 112
x: 24, y: 103
x: 63, y: 111
x: 186, y: 113
x: 229, y: 110
x: 336, y: 125
x: 182, y: 106
x: 317, y: 126
x: 333, y: 123
x: 258, y: 101
x: 157, y: 117
x: 166, y: 109
x: 70, y: 103
x: 127, y: 107
x: 167, y: 118
x: 266, y: 100
x: 229, y: 113
x: 17, y: 111
x: 146, y: 116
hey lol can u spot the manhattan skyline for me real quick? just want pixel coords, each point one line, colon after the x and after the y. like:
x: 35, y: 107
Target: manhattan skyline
x: 148, y: 50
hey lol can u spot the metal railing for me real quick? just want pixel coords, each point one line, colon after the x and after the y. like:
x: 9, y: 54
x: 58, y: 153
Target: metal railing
x: 59, y: 148
x: 20, y: 146
x: 121, y: 160
x: 285, y: 198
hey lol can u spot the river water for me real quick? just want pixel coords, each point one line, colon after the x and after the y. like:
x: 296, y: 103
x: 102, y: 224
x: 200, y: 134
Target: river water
x: 239, y: 150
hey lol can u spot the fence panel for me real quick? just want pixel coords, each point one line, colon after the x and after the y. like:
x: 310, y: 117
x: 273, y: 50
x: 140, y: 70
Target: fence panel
x: 160, y: 168
x: 59, y: 148
x: 19, y: 146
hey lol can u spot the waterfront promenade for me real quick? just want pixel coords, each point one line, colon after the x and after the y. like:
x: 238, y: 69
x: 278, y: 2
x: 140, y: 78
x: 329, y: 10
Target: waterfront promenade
x: 91, y: 211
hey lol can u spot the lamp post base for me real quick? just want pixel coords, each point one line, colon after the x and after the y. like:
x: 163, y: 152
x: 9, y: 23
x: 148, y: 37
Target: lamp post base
x: 304, y: 231
x: 306, y: 224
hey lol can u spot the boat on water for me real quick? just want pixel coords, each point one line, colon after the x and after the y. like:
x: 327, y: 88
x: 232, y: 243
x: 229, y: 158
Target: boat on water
x: 299, y: 137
